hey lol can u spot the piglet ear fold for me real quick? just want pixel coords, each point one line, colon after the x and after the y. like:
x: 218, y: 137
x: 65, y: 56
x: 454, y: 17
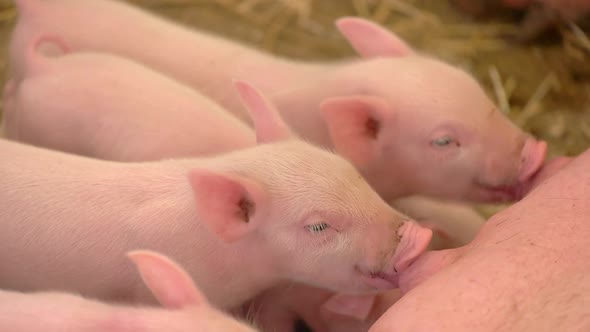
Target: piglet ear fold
x: 268, y: 123
x: 230, y: 205
x: 355, y: 123
x: 354, y: 306
x: 371, y: 40
x: 169, y: 282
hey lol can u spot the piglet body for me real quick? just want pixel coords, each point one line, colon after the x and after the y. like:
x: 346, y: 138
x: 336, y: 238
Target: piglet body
x: 229, y: 205
x: 393, y: 114
x: 185, y: 308
x: 108, y: 107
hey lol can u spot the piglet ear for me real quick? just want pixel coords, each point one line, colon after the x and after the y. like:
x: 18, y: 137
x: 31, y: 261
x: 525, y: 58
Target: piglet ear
x: 268, y: 123
x: 371, y: 40
x: 355, y: 306
x: 169, y: 283
x: 354, y: 123
x: 231, y: 206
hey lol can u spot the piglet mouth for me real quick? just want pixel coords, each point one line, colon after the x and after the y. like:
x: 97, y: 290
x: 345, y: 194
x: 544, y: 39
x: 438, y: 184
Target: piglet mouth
x: 501, y: 193
x: 532, y: 160
x: 414, y: 240
x: 379, y: 279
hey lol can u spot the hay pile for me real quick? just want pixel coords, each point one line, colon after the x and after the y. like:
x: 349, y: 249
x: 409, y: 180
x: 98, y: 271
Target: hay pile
x: 544, y: 88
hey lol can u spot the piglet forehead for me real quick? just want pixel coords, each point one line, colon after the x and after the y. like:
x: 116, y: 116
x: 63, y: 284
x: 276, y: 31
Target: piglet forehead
x: 322, y: 180
x: 430, y: 86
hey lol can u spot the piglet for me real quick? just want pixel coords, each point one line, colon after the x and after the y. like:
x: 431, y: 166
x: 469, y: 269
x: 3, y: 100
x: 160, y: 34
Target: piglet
x: 453, y: 225
x: 282, y: 210
x: 541, y: 15
x: 185, y: 308
x: 395, y: 113
x: 108, y: 107
x: 527, y: 270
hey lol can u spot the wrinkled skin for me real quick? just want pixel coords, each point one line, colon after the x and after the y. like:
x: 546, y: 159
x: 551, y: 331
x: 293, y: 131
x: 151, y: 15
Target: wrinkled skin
x: 541, y: 15
x: 527, y: 270
x: 392, y: 113
x: 185, y: 308
x: 282, y: 210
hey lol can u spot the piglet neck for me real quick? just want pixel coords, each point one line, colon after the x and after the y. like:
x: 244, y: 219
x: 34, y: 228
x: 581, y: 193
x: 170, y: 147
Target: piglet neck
x: 236, y: 271
x: 242, y: 270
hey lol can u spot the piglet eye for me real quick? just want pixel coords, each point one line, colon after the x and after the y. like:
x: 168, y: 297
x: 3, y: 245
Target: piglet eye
x: 317, y: 228
x: 444, y: 141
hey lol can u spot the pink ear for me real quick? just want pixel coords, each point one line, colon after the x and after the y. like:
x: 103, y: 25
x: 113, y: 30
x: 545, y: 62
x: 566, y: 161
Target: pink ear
x: 371, y: 40
x: 268, y: 123
x: 354, y: 123
x: 229, y: 205
x: 355, y: 306
x: 169, y: 283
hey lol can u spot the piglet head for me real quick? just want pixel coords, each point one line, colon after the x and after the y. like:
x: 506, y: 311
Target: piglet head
x: 309, y: 209
x: 176, y: 291
x: 422, y: 126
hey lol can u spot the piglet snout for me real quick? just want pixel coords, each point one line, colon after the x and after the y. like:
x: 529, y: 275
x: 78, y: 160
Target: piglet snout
x: 532, y: 158
x: 414, y: 242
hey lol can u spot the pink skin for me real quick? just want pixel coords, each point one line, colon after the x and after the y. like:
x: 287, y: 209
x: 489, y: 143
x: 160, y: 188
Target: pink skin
x: 185, y: 308
x: 453, y: 225
x: 393, y: 113
x: 283, y: 210
x: 531, y: 258
x: 61, y: 104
